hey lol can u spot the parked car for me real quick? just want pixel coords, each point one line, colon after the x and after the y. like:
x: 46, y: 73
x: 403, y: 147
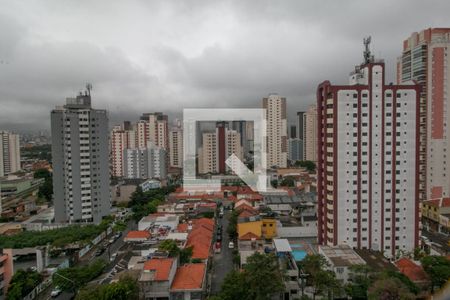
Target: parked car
x: 219, y: 238
x: 218, y: 247
x: 55, y: 292
x: 113, y: 256
x: 99, y: 251
x: 231, y: 245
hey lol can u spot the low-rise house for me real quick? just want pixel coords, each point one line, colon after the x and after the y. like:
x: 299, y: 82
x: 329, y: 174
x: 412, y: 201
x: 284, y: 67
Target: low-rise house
x: 150, y: 184
x: 413, y: 271
x: 341, y: 258
x: 435, y: 213
x: 200, y: 238
x: 157, y: 277
x: 262, y: 227
x: 137, y: 236
x: 159, y: 220
x: 189, y: 282
x: 289, y: 268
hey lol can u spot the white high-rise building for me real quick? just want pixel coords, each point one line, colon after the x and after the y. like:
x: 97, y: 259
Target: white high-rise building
x: 144, y: 163
x: 275, y: 106
x: 80, y: 161
x: 368, y: 161
x: 9, y: 153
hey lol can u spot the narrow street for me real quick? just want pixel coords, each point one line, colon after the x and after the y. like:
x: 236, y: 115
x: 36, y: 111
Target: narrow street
x: 223, y: 261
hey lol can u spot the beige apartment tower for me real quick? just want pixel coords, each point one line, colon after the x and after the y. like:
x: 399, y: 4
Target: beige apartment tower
x: 426, y: 59
x: 277, y: 153
x: 9, y: 153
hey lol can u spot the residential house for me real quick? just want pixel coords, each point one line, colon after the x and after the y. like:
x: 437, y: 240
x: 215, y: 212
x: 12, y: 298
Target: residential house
x: 157, y: 277
x: 189, y: 282
x: 435, y: 214
x: 340, y: 259
x: 138, y: 236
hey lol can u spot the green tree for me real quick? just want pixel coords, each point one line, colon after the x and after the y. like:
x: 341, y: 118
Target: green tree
x: 360, y: 281
x: 411, y: 286
x: 261, y: 279
x: 288, y: 181
x: 45, y: 189
x: 389, y: 288
x: 170, y: 246
x: 263, y: 276
x: 125, y: 289
x: 232, y: 225
x: 78, y: 276
x: 437, y: 268
x: 274, y: 183
x: 234, y: 287
x: 307, y: 164
x: 322, y: 280
x: 22, y: 283
x: 42, y: 173
x: 119, y: 226
x: 185, y: 255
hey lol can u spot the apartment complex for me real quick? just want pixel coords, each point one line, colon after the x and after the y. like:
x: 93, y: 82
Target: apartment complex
x: 306, y: 128
x: 295, y: 149
x: 122, y: 137
x: 275, y: 106
x: 9, y: 153
x: 80, y: 161
x: 368, y: 161
x: 176, y: 147
x: 143, y: 163
x: 216, y: 148
x: 310, y: 134
x: 425, y: 59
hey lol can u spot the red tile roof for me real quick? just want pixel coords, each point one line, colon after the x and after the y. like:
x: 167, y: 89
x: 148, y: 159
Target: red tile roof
x: 248, y: 236
x: 161, y: 267
x: 200, y: 237
x: 138, y: 234
x: 247, y: 213
x: 440, y: 202
x: 411, y: 270
x: 182, y: 227
x: 189, y: 277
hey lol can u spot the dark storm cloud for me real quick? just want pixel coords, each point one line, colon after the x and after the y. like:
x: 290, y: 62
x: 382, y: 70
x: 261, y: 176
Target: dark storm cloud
x: 168, y: 55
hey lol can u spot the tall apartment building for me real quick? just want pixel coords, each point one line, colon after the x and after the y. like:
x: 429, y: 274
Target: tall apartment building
x: 9, y: 153
x: 216, y: 148
x: 157, y: 129
x: 80, y: 161
x: 176, y: 147
x: 275, y: 106
x: 295, y: 149
x: 310, y: 134
x: 368, y: 161
x: 426, y: 59
x: 122, y: 137
x: 144, y: 163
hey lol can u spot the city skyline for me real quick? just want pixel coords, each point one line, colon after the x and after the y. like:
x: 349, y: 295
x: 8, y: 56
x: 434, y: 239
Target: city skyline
x: 195, y: 59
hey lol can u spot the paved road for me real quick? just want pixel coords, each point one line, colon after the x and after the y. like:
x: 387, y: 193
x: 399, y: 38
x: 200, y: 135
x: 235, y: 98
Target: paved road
x: 438, y: 238
x: 222, y: 262
x: 90, y: 257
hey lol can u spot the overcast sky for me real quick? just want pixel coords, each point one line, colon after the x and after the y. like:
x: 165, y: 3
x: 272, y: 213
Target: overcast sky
x: 144, y: 56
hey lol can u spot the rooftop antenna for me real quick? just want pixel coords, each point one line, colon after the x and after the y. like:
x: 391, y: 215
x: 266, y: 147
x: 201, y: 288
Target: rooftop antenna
x: 88, y: 88
x: 367, y: 56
